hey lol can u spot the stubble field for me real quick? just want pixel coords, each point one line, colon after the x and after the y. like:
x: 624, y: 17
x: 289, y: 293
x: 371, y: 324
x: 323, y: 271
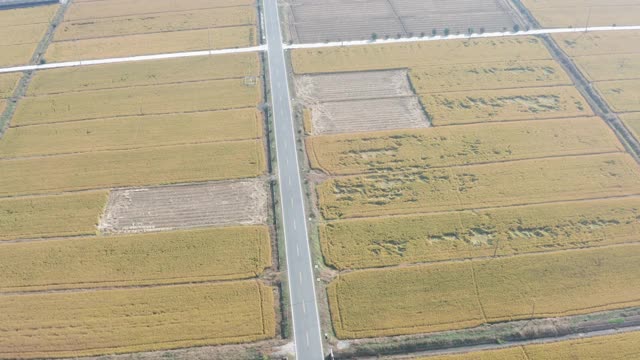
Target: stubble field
x: 579, y: 13
x: 21, y: 30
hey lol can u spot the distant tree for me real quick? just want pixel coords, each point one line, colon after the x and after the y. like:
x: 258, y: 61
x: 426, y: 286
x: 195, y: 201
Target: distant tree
x: 386, y: 37
x: 504, y: 29
x: 374, y: 36
x: 481, y: 30
x: 447, y: 32
x: 410, y: 35
x: 516, y: 28
x: 434, y: 32
x: 398, y: 35
x: 422, y: 34
x: 470, y: 30
x: 42, y: 61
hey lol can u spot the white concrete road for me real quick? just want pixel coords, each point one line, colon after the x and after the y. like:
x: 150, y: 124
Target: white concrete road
x: 304, y: 307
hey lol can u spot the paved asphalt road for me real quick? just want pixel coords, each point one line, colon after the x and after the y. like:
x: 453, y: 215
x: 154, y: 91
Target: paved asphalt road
x: 306, y: 324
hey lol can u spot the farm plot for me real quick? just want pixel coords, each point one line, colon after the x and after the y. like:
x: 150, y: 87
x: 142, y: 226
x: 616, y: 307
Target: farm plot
x: 8, y: 83
x: 20, y: 32
x: 359, y: 101
x: 166, y: 208
x: 437, y: 297
x: 599, y: 43
x: 459, y: 145
x: 487, y: 76
x: 505, y: 105
x: 578, y: 13
x: 396, y: 56
x: 89, y: 9
x: 155, y: 72
x: 609, y: 67
x: 613, y: 347
x: 632, y: 121
x: 51, y: 216
x: 156, y: 22
x: 313, y: 21
x: 469, y: 187
x: 132, y: 132
x: 505, y: 231
x: 141, y: 167
x: 161, y: 99
x: 622, y: 95
x: 155, y: 43
x: 146, y: 259
x: 132, y: 320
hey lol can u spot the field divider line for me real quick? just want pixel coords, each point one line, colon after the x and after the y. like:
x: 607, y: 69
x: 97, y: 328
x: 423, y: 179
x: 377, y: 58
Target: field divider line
x: 461, y: 37
x: 162, y: 56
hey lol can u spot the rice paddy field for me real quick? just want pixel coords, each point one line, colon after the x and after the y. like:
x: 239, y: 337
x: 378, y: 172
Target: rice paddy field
x: 21, y: 30
x: 614, y: 347
x: 133, y: 204
x: 580, y: 13
x: 113, y: 28
x: 516, y: 202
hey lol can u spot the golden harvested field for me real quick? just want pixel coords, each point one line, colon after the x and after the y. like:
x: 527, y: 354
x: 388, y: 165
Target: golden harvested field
x: 132, y: 132
x: 161, y: 99
x: 394, y: 56
x: 611, y: 347
x: 580, y: 13
x: 156, y: 43
x: 609, y: 67
x: 51, y: 216
x: 133, y: 320
x: 158, y: 22
x: 458, y: 145
x: 14, y: 55
x: 155, y: 258
x: 27, y: 15
x: 490, y: 185
x: 3, y: 104
x: 621, y: 95
x: 486, y: 76
x: 144, y: 73
x: 142, y: 167
x: 21, y: 34
x: 504, y: 105
x: 505, y: 231
x: 632, y: 121
x: 439, y: 297
x: 515, y: 353
x: 8, y: 83
x: 599, y: 43
x: 83, y: 9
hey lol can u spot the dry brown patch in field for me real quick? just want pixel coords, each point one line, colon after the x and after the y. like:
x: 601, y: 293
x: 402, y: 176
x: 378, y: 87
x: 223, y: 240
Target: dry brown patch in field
x: 360, y: 101
x: 186, y: 206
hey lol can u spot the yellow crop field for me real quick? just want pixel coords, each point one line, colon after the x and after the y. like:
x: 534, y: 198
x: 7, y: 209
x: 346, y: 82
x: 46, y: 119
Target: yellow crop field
x: 486, y: 76
x: 14, y: 55
x: 393, y: 56
x: 621, y: 95
x: 503, y: 105
x: 376, y: 242
x: 612, y: 347
x: 632, y: 121
x: 141, y: 167
x: 8, y: 83
x: 132, y: 132
x: 599, y: 43
x: 113, y: 8
x: 123, y: 321
x: 144, y: 73
x: 458, y: 295
x: 28, y: 15
x: 146, y: 259
x: 582, y: 13
x: 156, y: 43
x: 515, y: 353
x: 161, y: 99
x: 3, y: 104
x: 609, y: 67
x: 50, y: 216
x: 157, y: 22
x: 458, y: 145
x: 469, y: 187
x: 22, y: 34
